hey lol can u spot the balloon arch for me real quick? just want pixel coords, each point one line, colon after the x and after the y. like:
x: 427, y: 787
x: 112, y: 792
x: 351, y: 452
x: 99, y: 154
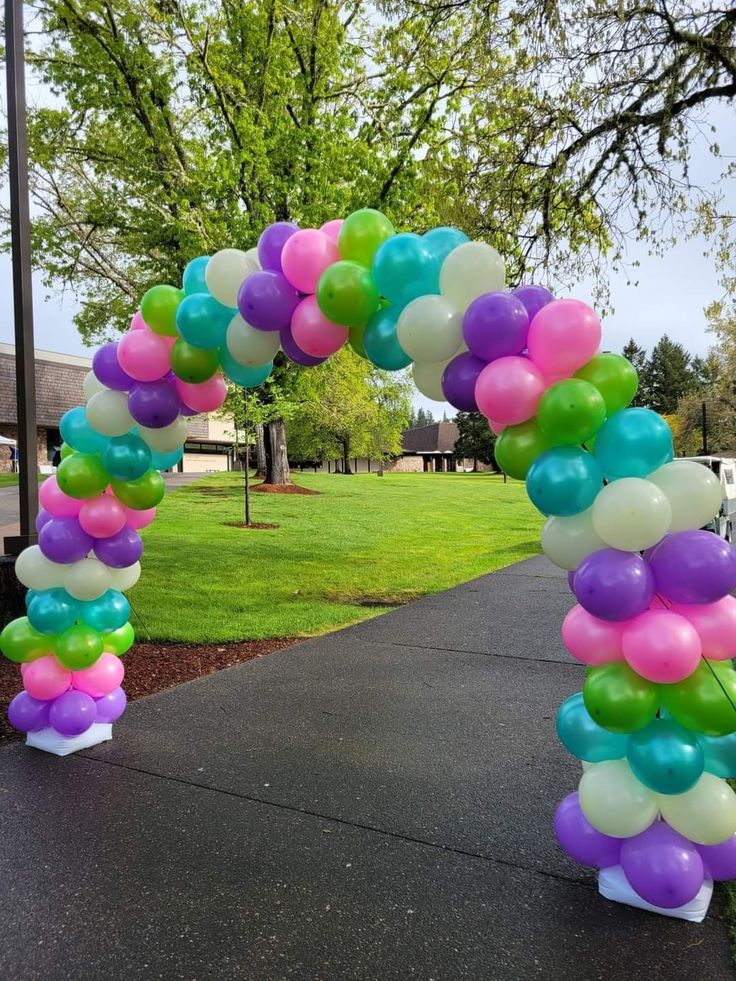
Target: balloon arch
x: 655, y: 724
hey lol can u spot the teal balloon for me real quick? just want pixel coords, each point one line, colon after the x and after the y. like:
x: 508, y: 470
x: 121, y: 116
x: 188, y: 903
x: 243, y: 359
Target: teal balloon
x: 441, y: 241
x: 110, y: 612
x: 202, y: 321
x: 403, y: 269
x: 193, y: 280
x: 243, y: 374
x: 583, y: 737
x: 126, y: 457
x: 51, y: 611
x: 165, y: 461
x: 633, y: 443
x: 563, y: 481
x: 29, y: 596
x: 666, y: 757
x: 380, y: 342
x: 720, y: 754
x: 77, y: 432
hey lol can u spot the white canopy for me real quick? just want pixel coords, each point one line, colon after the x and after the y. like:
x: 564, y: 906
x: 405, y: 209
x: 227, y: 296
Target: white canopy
x: 4, y: 441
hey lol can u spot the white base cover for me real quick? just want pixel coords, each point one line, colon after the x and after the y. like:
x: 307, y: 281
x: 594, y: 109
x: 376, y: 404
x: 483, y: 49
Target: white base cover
x: 51, y: 741
x: 613, y: 884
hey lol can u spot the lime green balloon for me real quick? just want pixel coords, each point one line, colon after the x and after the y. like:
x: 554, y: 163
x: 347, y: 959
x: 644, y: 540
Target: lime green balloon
x: 145, y: 492
x: 78, y: 647
x: 121, y: 640
x: 517, y: 447
x: 619, y: 699
x: 20, y: 642
x: 65, y: 450
x: 704, y: 701
x: 346, y: 294
x: 614, y: 377
x: 361, y: 235
x: 194, y: 364
x: 82, y: 475
x: 571, y: 411
x: 158, y: 309
x: 356, y: 340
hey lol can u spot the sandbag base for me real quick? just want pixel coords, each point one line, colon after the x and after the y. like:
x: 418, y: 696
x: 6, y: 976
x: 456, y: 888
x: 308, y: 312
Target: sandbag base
x: 51, y: 741
x: 613, y: 884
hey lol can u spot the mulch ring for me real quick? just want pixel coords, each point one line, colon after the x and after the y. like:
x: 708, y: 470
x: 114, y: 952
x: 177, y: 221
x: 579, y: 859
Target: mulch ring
x: 253, y: 525
x: 151, y: 667
x: 282, y: 489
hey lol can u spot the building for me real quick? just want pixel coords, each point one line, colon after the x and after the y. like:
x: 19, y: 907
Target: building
x: 429, y: 448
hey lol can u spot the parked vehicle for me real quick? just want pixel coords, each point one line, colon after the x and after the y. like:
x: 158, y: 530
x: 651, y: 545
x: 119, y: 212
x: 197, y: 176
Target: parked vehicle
x: 725, y: 469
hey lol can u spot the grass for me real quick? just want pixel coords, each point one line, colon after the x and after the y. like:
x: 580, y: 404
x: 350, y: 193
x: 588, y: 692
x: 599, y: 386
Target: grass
x: 363, y: 540
x: 11, y: 479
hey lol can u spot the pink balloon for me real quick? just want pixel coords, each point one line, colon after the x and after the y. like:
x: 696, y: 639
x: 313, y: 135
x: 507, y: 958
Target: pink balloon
x: 715, y: 624
x: 332, y: 228
x: 139, y: 519
x: 496, y: 427
x: 509, y: 389
x: 137, y: 322
x: 102, y: 677
x: 144, y: 355
x: 563, y: 336
x: 102, y: 516
x: 305, y: 257
x: 661, y: 646
x: 202, y: 396
x: 591, y: 640
x: 56, y: 502
x: 312, y: 331
x: 45, y: 678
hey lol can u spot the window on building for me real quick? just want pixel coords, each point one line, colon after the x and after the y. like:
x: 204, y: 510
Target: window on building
x: 53, y: 442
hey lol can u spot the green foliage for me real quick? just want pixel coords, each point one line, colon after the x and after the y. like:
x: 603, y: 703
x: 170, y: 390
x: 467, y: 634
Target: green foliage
x: 420, y: 417
x: 668, y: 376
x: 475, y: 440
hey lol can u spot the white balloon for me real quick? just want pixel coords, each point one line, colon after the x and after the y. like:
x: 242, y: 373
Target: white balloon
x: 693, y: 490
x: 469, y: 271
x: 35, y: 571
x: 167, y: 438
x: 706, y: 814
x: 87, y: 579
x: 567, y: 541
x: 427, y: 377
x: 614, y: 801
x: 430, y: 328
x: 92, y: 385
x: 107, y: 413
x: 125, y: 578
x: 225, y: 272
x: 631, y: 514
x: 252, y: 254
x: 250, y: 346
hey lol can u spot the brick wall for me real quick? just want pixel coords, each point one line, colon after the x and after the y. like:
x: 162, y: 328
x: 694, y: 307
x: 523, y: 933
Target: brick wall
x: 405, y: 464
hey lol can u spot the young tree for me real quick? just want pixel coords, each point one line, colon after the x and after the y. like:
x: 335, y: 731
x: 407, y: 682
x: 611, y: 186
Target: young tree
x: 475, y: 440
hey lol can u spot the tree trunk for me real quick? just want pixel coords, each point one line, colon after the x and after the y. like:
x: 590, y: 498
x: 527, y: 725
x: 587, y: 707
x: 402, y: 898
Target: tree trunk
x: 260, y: 453
x: 277, y: 463
x: 346, y: 457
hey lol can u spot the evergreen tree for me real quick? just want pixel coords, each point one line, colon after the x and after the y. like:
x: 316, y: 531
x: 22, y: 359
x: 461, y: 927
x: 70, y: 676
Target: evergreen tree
x: 637, y: 355
x: 475, y: 440
x: 668, y: 375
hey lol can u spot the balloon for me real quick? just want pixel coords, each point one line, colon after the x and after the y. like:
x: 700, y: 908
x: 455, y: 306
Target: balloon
x: 403, y: 269
x: 564, y: 480
x: 618, y: 699
x: 429, y: 329
x: 294, y: 353
x: 459, y: 380
x: 495, y: 325
x: 305, y: 256
x: 661, y: 646
x: 591, y: 640
x: 81, y: 475
x: 28, y: 714
x: 267, y: 300
x: 631, y: 514
x: 533, y: 297
x: 518, y: 446
x: 567, y: 541
x: 42, y: 518
x: 614, y: 585
x: 249, y: 346
x: 91, y: 385
x: 139, y: 518
x: 715, y: 624
x: 313, y: 332
x: 201, y: 321
x: 662, y: 867
x: 361, y: 234
x: 440, y: 242
x: 78, y: 647
x: 193, y: 364
x: 720, y: 754
x: 633, y: 443
x: 145, y: 492
x: 194, y: 279
x: 122, y: 579
x: 427, y: 377
x: 694, y: 567
x: 693, y: 491
x: 244, y: 375
x: 509, y: 389
x: 226, y: 271
x: 332, y: 228
x: 103, y: 677
x: 614, y: 377
x: 158, y: 308
x: 166, y: 439
x: 63, y: 540
x: 705, y: 701
x: 381, y: 343
x: 614, y: 801
x: 469, y: 271
x: 204, y: 397
x: 109, y: 612
x: 21, y: 641
x: 154, y: 404
x: 53, y: 499
x: 111, y: 706
x: 720, y: 860
x: 45, y: 678
x: 583, y: 737
x: 563, y: 336
x: 126, y: 457
x: 77, y: 432
x: 107, y: 370
x: 117, y: 642
x: 580, y: 839
x: 571, y: 411
x: 144, y: 355
x: 355, y: 340
x: 137, y: 322
x: 665, y: 756
x: 73, y: 713
x: 107, y: 413
x: 346, y: 294
x: 120, y: 550
x: 706, y: 814
x: 272, y: 243
x: 34, y: 570
x: 50, y: 611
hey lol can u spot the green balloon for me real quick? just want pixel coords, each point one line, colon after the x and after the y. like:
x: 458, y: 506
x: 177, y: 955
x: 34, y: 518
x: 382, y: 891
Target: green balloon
x: 571, y: 412
x: 346, y: 294
x: 20, y: 642
x: 158, y: 309
x: 619, y: 699
x: 121, y: 640
x: 517, y: 447
x: 194, y: 364
x: 356, y: 340
x: 704, y: 702
x: 361, y: 235
x: 82, y: 475
x: 66, y: 450
x: 145, y: 492
x: 78, y: 647
x: 614, y: 377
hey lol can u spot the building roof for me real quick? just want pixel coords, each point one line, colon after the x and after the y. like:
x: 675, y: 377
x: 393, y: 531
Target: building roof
x: 439, y: 437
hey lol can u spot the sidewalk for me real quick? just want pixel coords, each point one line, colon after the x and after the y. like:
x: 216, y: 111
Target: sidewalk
x: 373, y: 804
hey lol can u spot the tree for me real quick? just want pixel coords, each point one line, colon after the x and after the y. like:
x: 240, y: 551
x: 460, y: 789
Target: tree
x: 637, y: 355
x: 475, y: 440
x: 420, y: 417
x: 668, y: 375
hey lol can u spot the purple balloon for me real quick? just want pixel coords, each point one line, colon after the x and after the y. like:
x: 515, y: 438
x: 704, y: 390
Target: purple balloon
x: 495, y: 325
x: 458, y: 381
x: 64, y: 540
x: 42, y: 518
x: 154, y: 404
x: 107, y: 370
x: 664, y: 868
x: 533, y: 297
x: 121, y: 550
x: 694, y: 567
x: 571, y: 580
x: 614, y: 585
x: 111, y: 706
x: 580, y: 839
x: 72, y: 713
x: 294, y: 353
x: 271, y: 243
x: 28, y: 714
x: 267, y: 300
x: 719, y: 860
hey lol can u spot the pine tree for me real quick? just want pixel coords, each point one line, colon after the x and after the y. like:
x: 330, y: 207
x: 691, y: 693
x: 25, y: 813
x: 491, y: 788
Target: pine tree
x: 475, y: 440
x: 668, y: 375
x: 637, y: 355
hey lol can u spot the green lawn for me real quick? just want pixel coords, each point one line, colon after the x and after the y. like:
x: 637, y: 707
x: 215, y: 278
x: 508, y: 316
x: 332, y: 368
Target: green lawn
x: 363, y: 540
x: 11, y: 479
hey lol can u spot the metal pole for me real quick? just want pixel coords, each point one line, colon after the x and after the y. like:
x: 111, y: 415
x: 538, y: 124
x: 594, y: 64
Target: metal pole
x: 247, y: 462
x: 20, y: 231
x: 704, y: 427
